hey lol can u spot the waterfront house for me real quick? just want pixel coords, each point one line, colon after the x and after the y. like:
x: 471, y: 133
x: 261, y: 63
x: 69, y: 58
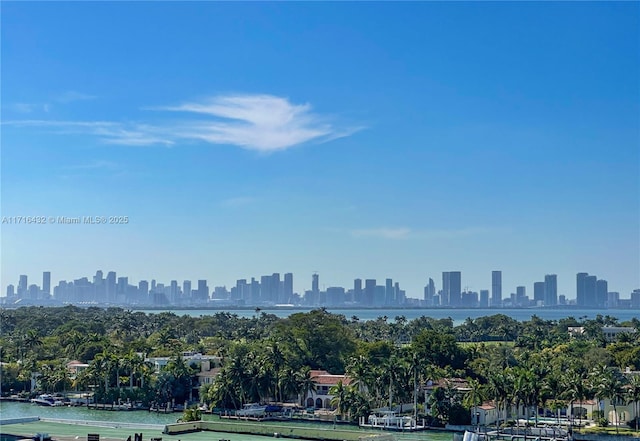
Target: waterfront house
x: 190, y: 358
x: 484, y: 415
x: 324, y: 381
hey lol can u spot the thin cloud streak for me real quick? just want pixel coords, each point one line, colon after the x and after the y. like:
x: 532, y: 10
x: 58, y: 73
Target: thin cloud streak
x: 263, y: 123
x: 258, y: 122
x: 108, y: 131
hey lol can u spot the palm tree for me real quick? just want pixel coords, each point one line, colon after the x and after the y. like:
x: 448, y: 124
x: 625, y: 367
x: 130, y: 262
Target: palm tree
x: 31, y: 340
x: 305, y: 382
x: 497, y: 389
x: 359, y: 370
x: 633, y: 396
x: 475, y: 397
x: 339, y: 399
x: 574, y: 390
x: 607, y: 383
x: 102, y: 364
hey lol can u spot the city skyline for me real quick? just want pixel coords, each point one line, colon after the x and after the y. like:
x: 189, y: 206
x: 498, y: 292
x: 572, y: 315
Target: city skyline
x: 221, y: 139
x: 272, y: 289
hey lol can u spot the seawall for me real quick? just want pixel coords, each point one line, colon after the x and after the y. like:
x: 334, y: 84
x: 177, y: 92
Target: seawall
x: 311, y: 433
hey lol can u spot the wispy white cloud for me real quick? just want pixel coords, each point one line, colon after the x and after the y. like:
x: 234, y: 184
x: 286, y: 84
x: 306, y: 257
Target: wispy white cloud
x: 108, y: 131
x: 263, y: 123
x: 257, y: 122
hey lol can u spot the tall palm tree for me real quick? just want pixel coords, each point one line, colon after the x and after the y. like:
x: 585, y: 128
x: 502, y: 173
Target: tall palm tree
x: 339, y: 400
x: 575, y: 389
x: 497, y: 389
x: 31, y: 340
x: 475, y: 397
x: 608, y: 383
x: 360, y: 371
x: 633, y: 396
x: 306, y: 384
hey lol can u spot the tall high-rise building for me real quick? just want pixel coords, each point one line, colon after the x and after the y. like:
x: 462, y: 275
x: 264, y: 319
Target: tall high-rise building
x: 429, y: 292
x: 22, y: 286
x: 288, y: 288
x: 203, y: 291
x: 581, y: 299
x: 452, y: 288
x: 46, y: 282
x: 496, y: 289
x: 276, y: 289
x: 173, y: 292
x: 590, y: 291
x: 602, y: 290
x: 357, y: 290
x: 538, y: 292
x: 484, y: 298
x: 143, y: 290
x: 315, y: 283
x: 550, y: 290
x: 369, y: 292
x: 110, y: 283
x: 186, y: 290
x: 389, y: 294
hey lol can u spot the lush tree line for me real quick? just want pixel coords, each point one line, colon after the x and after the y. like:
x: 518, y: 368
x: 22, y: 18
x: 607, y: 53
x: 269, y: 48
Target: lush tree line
x: 535, y: 363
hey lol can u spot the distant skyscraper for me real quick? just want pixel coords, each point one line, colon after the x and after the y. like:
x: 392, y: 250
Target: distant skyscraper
x: 186, y: 290
x: 203, y: 291
x: 550, y: 290
x: 111, y: 286
x: 452, y: 288
x: 143, y: 290
x: 389, y: 294
x: 288, y: 288
x: 46, y: 282
x: 276, y: 289
x: 484, y: 298
x: 22, y: 286
x: 496, y: 289
x: 538, y: 292
x: 602, y: 290
x: 315, y: 283
x: 173, y: 292
x: 369, y: 291
x: 590, y: 291
x: 581, y: 299
x: 357, y: 290
x: 429, y: 292
x: 446, y: 288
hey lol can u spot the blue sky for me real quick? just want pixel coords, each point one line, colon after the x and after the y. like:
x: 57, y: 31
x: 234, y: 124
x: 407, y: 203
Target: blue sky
x: 363, y: 140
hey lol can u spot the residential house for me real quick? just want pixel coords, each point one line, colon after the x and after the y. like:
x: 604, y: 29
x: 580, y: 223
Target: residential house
x: 324, y: 381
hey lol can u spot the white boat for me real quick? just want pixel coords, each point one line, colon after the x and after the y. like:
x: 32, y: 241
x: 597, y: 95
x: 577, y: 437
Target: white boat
x: 46, y: 400
x: 390, y: 419
x: 251, y: 410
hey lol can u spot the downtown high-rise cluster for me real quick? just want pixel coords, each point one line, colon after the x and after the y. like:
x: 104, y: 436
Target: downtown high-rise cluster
x: 274, y: 290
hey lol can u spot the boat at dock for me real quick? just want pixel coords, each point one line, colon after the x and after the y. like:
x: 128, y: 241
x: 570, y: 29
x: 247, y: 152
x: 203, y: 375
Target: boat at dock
x: 47, y: 400
x: 252, y: 410
x: 390, y: 420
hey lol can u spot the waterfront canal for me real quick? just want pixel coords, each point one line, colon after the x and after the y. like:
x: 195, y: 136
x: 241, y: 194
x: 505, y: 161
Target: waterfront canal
x: 18, y: 410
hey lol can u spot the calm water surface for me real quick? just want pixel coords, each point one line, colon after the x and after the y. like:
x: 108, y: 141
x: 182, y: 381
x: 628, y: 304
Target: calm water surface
x: 457, y: 315
x: 15, y: 410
